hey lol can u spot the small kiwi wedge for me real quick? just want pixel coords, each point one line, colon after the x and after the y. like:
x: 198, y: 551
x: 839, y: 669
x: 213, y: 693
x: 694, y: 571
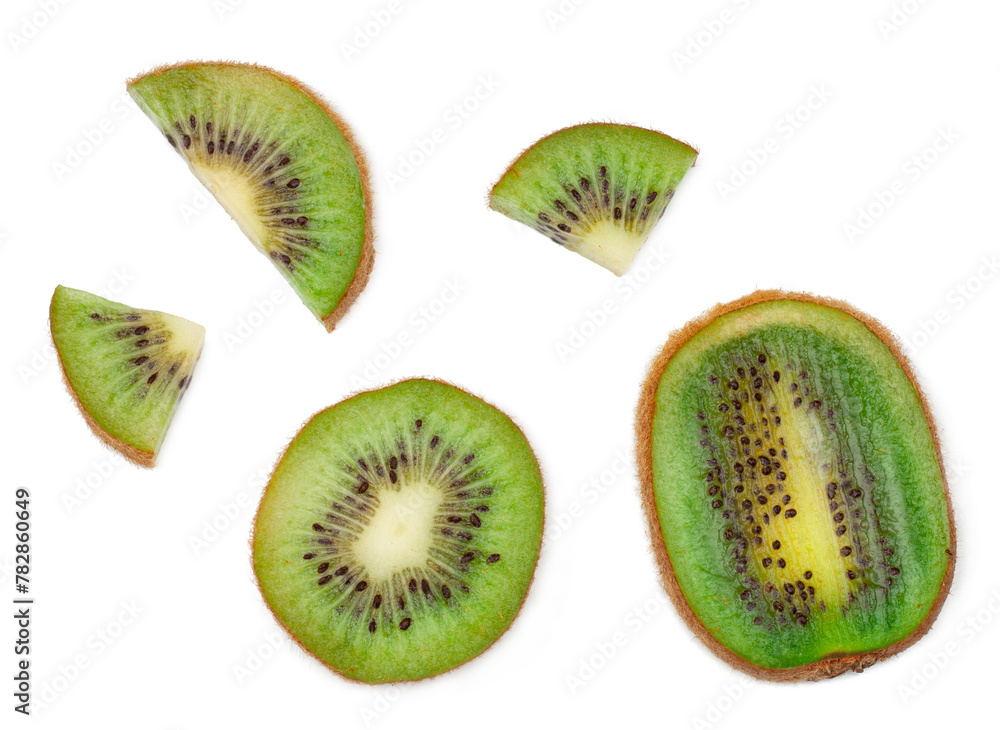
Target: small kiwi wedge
x: 126, y: 368
x: 281, y: 163
x: 398, y: 535
x: 597, y: 189
x: 793, y: 484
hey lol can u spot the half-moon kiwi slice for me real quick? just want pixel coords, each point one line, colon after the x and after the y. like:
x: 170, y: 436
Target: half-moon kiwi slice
x: 597, y: 189
x: 126, y: 368
x: 794, y: 487
x: 398, y: 535
x: 281, y: 163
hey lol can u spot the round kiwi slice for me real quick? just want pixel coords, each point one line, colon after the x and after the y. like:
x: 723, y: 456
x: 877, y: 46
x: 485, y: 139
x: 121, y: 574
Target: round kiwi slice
x: 399, y: 533
x: 597, y: 189
x: 793, y: 483
x: 281, y: 163
x: 126, y: 368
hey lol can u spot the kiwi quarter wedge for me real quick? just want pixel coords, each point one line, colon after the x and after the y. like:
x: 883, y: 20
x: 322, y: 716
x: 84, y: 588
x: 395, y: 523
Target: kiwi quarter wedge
x: 793, y: 483
x: 596, y: 189
x: 126, y: 368
x: 281, y: 163
x: 398, y: 535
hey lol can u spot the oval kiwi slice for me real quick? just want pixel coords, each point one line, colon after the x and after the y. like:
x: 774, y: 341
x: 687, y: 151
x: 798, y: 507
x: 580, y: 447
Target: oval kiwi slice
x: 597, y: 189
x: 126, y: 368
x: 794, y: 487
x: 398, y: 535
x: 281, y: 163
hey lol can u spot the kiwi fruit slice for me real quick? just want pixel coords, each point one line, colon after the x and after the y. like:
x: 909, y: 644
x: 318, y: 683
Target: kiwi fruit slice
x: 126, y: 368
x: 281, y: 163
x: 597, y: 189
x: 793, y: 484
x: 398, y: 535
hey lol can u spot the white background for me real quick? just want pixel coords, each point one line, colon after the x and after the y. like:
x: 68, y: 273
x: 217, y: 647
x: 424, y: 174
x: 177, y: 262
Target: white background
x: 90, y: 208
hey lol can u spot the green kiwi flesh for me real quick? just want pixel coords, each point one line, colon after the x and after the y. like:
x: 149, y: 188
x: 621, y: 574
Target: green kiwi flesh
x: 126, y: 368
x: 794, y: 487
x: 398, y: 535
x: 596, y: 189
x: 281, y: 163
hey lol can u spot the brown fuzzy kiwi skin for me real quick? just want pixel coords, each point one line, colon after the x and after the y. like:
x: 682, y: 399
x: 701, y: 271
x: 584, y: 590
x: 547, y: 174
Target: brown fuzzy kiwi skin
x: 831, y: 666
x: 526, y: 150
x: 135, y: 455
x: 253, y: 535
x: 367, y: 259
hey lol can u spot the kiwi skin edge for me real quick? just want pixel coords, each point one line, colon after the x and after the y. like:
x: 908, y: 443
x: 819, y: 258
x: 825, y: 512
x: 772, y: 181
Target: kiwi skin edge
x: 364, y: 268
x: 253, y: 533
x: 831, y: 666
